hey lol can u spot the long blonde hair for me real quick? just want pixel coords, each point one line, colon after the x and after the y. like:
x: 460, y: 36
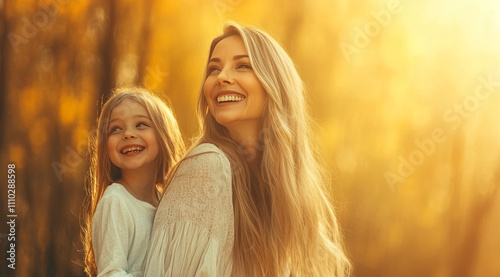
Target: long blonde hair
x: 283, y: 217
x: 103, y: 172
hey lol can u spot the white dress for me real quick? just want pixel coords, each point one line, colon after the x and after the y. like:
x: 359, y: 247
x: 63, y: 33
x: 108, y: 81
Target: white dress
x: 121, y: 228
x: 193, y: 231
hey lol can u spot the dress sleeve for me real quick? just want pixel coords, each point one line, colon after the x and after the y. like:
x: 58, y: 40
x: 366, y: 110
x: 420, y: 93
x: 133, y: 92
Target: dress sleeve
x: 111, y: 229
x: 193, y: 233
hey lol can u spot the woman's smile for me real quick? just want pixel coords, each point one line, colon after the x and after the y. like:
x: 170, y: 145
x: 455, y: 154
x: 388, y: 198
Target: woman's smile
x: 232, y: 89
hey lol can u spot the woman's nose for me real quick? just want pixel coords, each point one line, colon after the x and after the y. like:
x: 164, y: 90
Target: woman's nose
x: 225, y: 77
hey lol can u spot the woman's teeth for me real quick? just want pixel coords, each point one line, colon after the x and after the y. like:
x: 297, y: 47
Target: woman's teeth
x: 229, y: 98
x: 132, y: 149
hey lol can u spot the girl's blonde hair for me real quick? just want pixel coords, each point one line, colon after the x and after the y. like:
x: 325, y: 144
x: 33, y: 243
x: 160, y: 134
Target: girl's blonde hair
x: 103, y: 172
x: 283, y: 217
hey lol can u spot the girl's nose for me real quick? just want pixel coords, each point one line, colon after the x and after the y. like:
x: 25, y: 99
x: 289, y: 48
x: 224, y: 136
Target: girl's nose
x: 128, y: 135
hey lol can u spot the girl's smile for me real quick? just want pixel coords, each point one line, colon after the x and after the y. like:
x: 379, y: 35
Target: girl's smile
x: 132, y: 150
x: 132, y: 142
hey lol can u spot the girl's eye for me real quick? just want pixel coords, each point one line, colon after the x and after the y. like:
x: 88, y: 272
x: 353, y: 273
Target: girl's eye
x: 113, y: 129
x: 142, y: 124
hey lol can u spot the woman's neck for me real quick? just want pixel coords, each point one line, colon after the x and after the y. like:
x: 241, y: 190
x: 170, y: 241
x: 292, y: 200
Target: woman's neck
x: 248, y: 138
x: 141, y: 185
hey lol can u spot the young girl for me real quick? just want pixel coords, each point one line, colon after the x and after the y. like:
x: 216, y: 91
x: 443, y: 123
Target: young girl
x: 249, y: 199
x: 137, y: 143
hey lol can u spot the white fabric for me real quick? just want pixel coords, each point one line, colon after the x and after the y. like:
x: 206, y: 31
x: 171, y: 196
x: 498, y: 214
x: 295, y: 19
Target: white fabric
x: 193, y: 231
x: 121, y: 228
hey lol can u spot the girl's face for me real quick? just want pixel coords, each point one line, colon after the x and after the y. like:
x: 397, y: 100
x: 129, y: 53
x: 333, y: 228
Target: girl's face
x: 233, y: 92
x: 132, y: 142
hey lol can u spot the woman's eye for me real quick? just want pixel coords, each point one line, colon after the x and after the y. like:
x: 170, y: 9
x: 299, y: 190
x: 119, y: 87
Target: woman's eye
x: 212, y: 69
x: 244, y: 65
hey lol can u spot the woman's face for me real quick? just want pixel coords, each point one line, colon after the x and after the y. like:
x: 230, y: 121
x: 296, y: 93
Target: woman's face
x: 234, y: 95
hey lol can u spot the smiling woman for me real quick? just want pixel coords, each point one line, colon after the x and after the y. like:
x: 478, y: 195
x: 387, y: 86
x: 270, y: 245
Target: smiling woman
x: 234, y: 94
x: 248, y: 199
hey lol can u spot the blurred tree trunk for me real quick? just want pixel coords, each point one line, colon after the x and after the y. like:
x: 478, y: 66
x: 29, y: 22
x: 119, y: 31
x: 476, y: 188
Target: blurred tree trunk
x: 3, y: 70
x: 58, y: 138
x: 465, y: 258
x: 59, y: 141
x: 455, y: 206
x: 143, y: 47
x: 466, y: 221
x: 3, y: 147
x: 107, y: 50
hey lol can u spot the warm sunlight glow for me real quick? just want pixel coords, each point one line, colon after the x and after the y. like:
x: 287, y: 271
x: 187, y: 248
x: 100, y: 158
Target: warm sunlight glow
x: 405, y: 94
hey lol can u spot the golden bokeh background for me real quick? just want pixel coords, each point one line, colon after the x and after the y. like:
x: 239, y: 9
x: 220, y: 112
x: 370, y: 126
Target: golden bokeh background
x: 405, y: 94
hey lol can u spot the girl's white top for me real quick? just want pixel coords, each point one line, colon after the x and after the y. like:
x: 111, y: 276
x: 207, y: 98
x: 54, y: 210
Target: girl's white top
x: 193, y: 232
x: 121, y: 228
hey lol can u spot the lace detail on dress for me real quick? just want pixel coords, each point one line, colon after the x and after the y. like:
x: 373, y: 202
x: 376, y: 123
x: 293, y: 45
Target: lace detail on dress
x: 201, y: 193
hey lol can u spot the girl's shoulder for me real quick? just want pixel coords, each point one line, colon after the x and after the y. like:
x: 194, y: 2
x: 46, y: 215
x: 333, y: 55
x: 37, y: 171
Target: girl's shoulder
x: 116, y: 192
x: 114, y: 201
x: 115, y: 189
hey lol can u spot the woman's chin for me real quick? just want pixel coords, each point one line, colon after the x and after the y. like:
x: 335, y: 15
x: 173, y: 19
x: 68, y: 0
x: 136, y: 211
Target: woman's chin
x: 225, y: 120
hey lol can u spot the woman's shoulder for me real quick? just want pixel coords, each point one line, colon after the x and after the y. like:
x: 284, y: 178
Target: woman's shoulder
x: 204, y: 159
x: 208, y: 152
x: 205, y: 148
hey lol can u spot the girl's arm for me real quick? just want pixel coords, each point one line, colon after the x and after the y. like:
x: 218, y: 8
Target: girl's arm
x: 111, y: 228
x: 193, y: 233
